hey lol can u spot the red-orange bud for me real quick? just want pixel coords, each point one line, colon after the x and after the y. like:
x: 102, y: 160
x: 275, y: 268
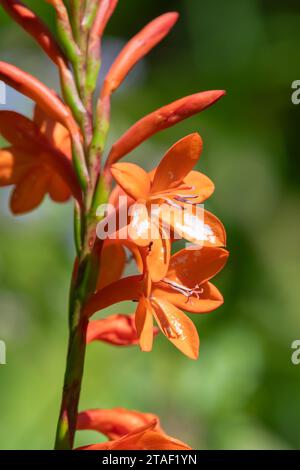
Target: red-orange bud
x: 30, y: 22
x: 38, y: 92
x: 105, y: 11
x: 162, y: 119
x: 136, y: 49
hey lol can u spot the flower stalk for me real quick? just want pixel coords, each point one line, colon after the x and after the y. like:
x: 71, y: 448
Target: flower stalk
x: 60, y: 153
x: 87, y: 154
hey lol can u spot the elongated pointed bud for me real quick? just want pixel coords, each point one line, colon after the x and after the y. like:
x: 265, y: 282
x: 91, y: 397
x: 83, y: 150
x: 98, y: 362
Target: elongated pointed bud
x: 105, y: 11
x: 38, y: 92
x: 136, y: 49
x: 161, y: 119
x: 103, y: 14
x: 31, y: 23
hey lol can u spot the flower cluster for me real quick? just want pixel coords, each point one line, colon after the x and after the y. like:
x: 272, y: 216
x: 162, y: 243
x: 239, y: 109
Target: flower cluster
x: 60, y: 152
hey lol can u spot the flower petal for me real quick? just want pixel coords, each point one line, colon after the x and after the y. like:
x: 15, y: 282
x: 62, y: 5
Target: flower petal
x: 177, y: 327
x: 144, y: 324
x: 20, y: 131
x: 28, y: 139
x: 201, y: 187
x: 115, y: 423
x: 136, y: 49
x: 142, y: 438
x: 161, y: 119
x: 14, y: 163
x: 194, y: 224
x: 56, y: 134
x: 140, y: 229
x: 58, y: 189
x: 135, y: 253
x: 209, y: 299
x: 118, y: 330
x: 30, y: 190
x: 116, y: 195
x: 133, y: 179
x: 127, y: 288
x: 113, y: 261
x: 158, y: 256
x: 177, y: 163
x: 192, y: 267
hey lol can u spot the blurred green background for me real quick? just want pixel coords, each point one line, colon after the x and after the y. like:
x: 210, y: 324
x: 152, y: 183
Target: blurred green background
x: 243, y: 393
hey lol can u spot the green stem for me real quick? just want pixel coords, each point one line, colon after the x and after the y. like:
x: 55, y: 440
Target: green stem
x: 83, y: 284
x: 85, y: 220
x: 75, y: 358
x: 72, y: 386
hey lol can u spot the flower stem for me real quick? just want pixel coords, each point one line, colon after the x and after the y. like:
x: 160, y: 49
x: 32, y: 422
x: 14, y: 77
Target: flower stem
x: 71, y: 392
x: 87, y: 153
x: 75, y: 363
x: 83, y: 284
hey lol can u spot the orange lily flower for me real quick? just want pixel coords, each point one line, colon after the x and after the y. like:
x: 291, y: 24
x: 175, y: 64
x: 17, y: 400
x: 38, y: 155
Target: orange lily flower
x: 186, y: 287
x: 175, y: 188
x: 115, y: 423
x: 142, y: 438
x: 118, y: 330
x: 37, y: 162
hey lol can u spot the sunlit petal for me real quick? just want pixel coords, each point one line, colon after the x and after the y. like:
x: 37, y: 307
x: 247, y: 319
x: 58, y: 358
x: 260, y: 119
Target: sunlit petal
x: 208, y: 299
x: 177, y: 327
x: 133, y: 179
x: 191, y: 267
x: 144, y: 324
x: 177, y: 163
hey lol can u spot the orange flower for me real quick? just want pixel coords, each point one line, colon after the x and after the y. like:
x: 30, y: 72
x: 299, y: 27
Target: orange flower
x: 186, y: 286
x: 115, y: 423
x: 142, y: 438
x: 118, y: 330
x: 37, y: 162
x: 174, y: 188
